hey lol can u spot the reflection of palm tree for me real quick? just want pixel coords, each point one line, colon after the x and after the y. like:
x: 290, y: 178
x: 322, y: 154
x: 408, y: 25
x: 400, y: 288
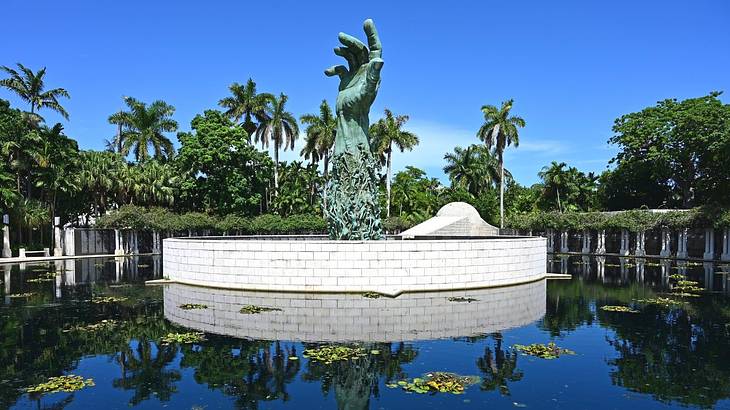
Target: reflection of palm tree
x: 146, y: 374
x: 355, y: 381
x: 498, y: 367
x: 247, y: 370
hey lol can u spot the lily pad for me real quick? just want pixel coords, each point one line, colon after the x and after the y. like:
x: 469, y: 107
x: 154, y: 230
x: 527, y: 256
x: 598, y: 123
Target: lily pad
x: 665, y: 302
x: 334, y: 353
x: 192, y: 306
x: 437, y: 382
x: 183, y: 338
x: 371, y: 295
x: 95, y: 327
x: 622, y: 309
x: 549, y: 351
x: 461, y: 299
x: 107, y: 299
x: 21, y: 295
x: 253, y: 309
x: 66, y: 384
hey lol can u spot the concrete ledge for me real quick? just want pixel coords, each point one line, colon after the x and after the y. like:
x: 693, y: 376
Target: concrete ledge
x: 389, y: 267
x: 353, y: 318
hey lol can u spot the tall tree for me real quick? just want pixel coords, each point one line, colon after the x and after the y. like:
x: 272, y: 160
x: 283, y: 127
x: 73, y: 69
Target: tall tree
x: 31, y: 88
x: 144, y: 126
x: 384, y: 134
x: 247, y: 105
x: 321, y: 131
x: 555, y: 177
x: 281, y: 128
x: 499, y: 131
x: 473, y: 168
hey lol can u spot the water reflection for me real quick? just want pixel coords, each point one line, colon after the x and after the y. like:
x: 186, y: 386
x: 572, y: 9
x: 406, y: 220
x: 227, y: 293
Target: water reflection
x: 672, y: 356
x: 352, y: 317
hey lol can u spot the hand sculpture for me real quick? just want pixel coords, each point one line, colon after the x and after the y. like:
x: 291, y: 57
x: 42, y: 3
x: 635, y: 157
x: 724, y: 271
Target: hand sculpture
x: 353, y: 209
x: 358, y: 87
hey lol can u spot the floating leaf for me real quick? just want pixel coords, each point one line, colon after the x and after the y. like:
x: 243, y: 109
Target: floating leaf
x: 622, y: 309
x: 549, y: 351
x: 665, y: 302
x: 371, y: 295
x: 183, y: 338
x: 191, y: 306
x: 21, y: 295
x: 253, y: 309
x: 438, y: 382
x: 333, y: 353
x: 107, y: 299
x: 66, y: 384
x: 461, y: 299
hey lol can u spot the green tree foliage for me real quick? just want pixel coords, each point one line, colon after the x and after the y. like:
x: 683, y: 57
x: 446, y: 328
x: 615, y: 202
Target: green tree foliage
x: 474, y: 169
x: 145, y: 126
x: 299, y: 190
x: 383, y: 135
x: 321, y: 131
x: 499, y: 131
x: 228, y: 175
x: 245, y: 105
x: 682, y: 146
x: 31, y: 88
x: 279, y: 127
x: 415, y: 196
x: 568, y: 189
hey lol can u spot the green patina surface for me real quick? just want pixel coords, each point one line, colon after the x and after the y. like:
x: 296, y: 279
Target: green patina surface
x: 353, y: 210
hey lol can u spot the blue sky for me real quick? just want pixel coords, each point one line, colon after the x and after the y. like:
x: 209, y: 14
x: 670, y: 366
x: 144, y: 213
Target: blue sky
x: 572, y: 67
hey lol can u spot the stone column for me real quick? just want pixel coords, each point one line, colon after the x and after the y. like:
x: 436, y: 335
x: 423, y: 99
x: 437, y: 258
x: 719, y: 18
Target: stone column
x: 601, y: 268
x: 725, y: 244
x: 640, y: 269
x: 564, y: 264
x: 624, y: 270
x: 624, y: 251
x: 564, y: 242
x: 666, y: 243
x: 57, y: 241
x: 586, y: 265
x: 709, y: 244
x: 550, y: 240
x: 601, y: 245
x: 69, y: 243
x: 682, y: 243
x: 6, y: 237
x: 666, y: 269
x: 155, y: 242
x: 640, y: 243
x: 709, y: 268
x: 586, y: 241
x: 135, y: 245
x: 118, y: 245
x: 7, y: 268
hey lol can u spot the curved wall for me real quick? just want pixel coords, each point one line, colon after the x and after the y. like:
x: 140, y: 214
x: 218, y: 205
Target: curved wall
x: 353, y: 318
x: 389, y: 266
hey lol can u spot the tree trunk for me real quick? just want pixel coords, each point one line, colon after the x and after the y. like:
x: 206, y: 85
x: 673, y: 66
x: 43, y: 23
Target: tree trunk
x: 560, y: 208
x: 387, y: 182
x: 501, y: 193
x: 276, y: 169
x: 326, y: 179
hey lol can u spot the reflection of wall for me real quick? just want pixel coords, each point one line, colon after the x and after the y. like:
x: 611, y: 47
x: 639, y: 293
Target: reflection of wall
x: 354, y: 266
x: 351, y: 317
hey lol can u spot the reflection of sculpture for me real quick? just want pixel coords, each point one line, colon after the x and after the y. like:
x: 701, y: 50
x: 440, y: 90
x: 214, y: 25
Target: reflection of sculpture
x: 353, y: 211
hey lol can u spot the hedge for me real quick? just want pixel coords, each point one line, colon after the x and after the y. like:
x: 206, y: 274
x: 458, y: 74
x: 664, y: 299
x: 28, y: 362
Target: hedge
x: 159, y: 219
x: 632, y: 220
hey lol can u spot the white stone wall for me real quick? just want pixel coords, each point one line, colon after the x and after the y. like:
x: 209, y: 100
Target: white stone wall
x: 350, y: 317
x: 354, y: 266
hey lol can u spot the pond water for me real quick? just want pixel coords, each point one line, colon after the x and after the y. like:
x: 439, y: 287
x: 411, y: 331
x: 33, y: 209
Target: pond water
x: 51, y: 324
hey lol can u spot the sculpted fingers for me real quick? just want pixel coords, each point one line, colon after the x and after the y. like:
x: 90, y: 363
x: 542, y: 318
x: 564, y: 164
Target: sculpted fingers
x: 339, y: 70
x: 376, y: 48
x: 373, y: 75
x: 347, y: 54
x: 355, y: 46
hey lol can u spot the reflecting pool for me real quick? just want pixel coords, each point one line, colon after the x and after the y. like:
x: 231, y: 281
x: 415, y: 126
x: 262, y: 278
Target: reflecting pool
x: 95, y: 318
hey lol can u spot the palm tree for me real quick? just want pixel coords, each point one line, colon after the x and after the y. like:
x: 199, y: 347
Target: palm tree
x: 499, y: 131
x: 321, y: 131
x: 554, y: 176
x: 30, y: 88
x: 280, y: 127
x: 144, y: 126
x: 383, y: 134
x: 474, y: 169
x: 246, y: 104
